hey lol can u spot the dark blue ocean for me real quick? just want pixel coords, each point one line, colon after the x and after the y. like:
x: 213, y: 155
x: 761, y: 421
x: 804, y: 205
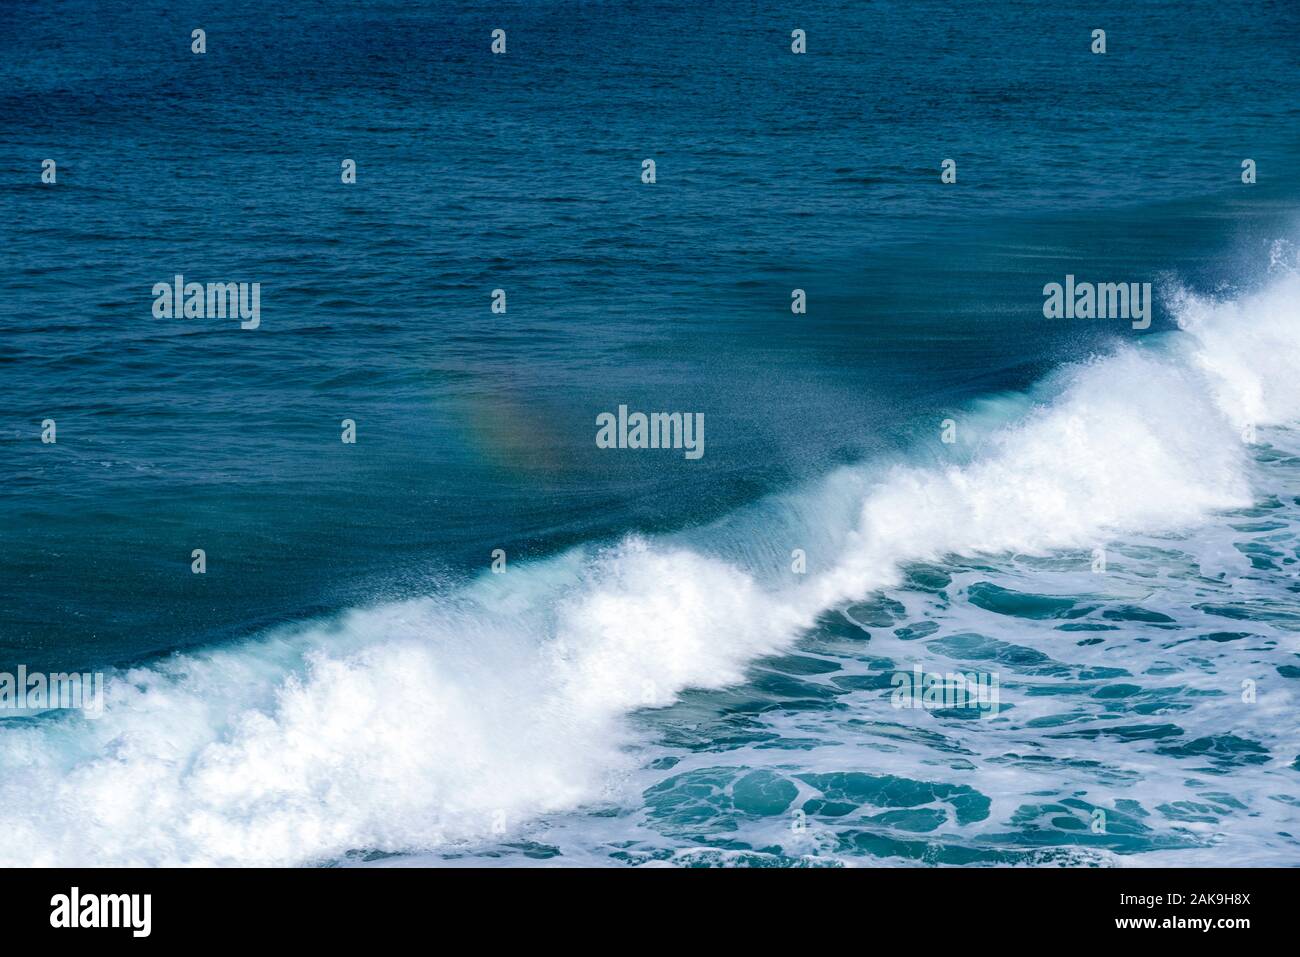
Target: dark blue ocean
x: 675, y: 660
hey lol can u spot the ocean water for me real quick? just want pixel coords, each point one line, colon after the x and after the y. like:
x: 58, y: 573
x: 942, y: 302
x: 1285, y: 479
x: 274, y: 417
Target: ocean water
x: 1112, y: 537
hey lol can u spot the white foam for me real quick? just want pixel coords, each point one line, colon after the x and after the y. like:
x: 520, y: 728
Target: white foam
x: 1250, y: 350
x: 411, y: 725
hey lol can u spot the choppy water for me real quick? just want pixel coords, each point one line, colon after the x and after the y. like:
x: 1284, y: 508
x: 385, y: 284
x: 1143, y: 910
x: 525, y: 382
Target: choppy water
x: 650, y: 681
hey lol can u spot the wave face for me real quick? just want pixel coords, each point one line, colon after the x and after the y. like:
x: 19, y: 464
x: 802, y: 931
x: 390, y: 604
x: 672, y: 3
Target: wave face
x: 687, y: 698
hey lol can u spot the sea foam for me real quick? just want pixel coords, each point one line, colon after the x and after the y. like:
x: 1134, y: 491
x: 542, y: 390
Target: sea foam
x: 414, y: 725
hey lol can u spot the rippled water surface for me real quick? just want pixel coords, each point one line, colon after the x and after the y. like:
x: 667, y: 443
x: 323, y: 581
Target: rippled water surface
x: 686, y: 661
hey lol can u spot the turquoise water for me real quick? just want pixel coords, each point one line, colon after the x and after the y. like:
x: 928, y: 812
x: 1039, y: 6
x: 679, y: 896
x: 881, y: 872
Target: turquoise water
x: 1111, y: 536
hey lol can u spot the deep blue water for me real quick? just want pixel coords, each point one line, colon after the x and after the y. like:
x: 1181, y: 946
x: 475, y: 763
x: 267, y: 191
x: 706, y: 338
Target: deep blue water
x: 347, y: 640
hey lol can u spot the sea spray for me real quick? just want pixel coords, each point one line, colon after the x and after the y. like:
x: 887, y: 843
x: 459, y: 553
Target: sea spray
x: 425, y: 723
